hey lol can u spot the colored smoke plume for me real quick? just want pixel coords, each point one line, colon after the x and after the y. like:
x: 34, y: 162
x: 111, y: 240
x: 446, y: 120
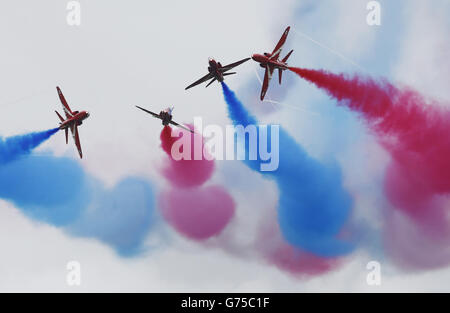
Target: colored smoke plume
x: 185, y: 173
x: 200, y: 213
x: 57, y: 191
x: 313, y: 206
x: 12, y: 148
x: 195, y: 211
x: 415, y: 131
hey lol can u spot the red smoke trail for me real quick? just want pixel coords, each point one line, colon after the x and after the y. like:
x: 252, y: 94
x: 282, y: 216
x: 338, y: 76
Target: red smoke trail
x: 185, y: 173
x: 198, y: 213
x: 301, y: 264
x: 194, y: 211
x: 416, y: 132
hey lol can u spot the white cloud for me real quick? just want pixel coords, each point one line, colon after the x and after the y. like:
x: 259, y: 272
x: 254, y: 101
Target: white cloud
x: 145, y: 54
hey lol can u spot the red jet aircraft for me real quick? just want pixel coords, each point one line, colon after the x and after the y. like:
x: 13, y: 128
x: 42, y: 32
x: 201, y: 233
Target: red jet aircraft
x: 217, y: 72
x: 166, y: 117
x: 270, y: 61
x: 72, y: 121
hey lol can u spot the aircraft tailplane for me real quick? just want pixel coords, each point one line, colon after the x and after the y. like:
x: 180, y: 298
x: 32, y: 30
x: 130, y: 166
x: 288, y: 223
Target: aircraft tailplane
x: 212, y: 81
x: 287, y: 56
x: 60, y: 117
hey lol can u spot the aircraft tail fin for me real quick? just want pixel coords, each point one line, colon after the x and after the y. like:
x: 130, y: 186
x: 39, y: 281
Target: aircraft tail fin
x: 287, y: 56
x: 60, y: 117
x: 280, y: 74
x: 67, y: 135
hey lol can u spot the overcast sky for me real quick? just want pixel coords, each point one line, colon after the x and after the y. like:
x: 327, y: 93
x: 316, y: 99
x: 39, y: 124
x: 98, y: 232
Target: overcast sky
x: 128, y: 53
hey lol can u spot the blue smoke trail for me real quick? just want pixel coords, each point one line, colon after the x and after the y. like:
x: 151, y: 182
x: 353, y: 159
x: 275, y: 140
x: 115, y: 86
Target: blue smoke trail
x: 57, y: 191
x: 51, y: 190
x: 12, y: 148
x: 313, y: 206
x: 121, y: 217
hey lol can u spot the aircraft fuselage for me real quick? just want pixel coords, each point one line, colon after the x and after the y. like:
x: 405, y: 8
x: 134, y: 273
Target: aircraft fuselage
x: 166, y: 117
x: 77, y: 119
x: 215, y: 69
x: 265, y: 60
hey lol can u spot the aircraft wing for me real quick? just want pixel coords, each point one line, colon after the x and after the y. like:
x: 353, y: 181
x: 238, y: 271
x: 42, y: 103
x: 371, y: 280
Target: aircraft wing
x: 201, y: 80
x: 149, y: 112
x: 66, y: 107
x: 267, y: 78
x: 181, y: 126
x: 76, y: 138
x: 276, y: 52
x: 233, y: 65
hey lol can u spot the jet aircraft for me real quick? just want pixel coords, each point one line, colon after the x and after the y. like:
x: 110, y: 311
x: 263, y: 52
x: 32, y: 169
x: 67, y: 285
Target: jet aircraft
x: 166, y: 117
x: 271, y: 62
x: 217, y: 72
x: 72, y: 121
